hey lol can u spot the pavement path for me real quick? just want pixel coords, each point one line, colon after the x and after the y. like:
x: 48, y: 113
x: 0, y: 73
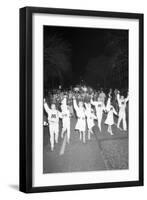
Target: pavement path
x: 77, y: 156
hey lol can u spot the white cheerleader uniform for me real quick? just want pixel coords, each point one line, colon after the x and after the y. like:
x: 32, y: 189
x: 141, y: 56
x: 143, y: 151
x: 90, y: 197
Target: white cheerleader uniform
x: 90, y: 117
x: 65, y: 115
x: 81, y: 122
x: 99, y: 107
x: 122, y: 111
x: 53, y: 121
x: 110, y: 118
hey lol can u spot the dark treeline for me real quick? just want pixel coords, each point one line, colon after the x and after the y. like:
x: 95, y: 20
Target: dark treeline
x: 97, y: 57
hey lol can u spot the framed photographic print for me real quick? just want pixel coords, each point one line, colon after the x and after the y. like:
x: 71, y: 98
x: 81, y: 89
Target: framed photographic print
x: 81, y: 99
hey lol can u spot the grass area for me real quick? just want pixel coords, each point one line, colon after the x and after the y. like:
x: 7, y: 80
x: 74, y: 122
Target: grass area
x: 115, y: 153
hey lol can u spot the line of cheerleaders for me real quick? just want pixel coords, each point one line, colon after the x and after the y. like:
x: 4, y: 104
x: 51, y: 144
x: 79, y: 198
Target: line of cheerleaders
x: 86, y: 113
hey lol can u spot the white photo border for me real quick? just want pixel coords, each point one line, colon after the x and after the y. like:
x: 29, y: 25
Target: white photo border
x: 52, y: 179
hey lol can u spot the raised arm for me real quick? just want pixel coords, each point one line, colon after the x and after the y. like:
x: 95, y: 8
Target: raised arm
x: 114, y: 111
x: 64, y: 100
x: 127, y: 98
x: 86, y: 106
x: 46, y: 107
x: 75, y: 105
x: 92, y: 102
x: 118, y: 98
x: 60, y: 114
x: 108, y: 104
x: 104, y: 107
x: 94, y: 116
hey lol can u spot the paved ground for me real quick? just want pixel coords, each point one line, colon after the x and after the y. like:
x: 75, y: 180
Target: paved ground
x: 77, y: 156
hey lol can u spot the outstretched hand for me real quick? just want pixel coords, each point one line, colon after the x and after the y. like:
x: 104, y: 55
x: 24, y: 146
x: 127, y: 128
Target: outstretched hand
x: 109, y: 95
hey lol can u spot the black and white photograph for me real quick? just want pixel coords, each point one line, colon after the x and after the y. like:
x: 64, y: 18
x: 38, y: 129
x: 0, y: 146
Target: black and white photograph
x: 81, y: 86
x: 86, y: 99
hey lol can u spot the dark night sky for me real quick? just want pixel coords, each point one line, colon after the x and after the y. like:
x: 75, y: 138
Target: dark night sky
x: 86, y: 43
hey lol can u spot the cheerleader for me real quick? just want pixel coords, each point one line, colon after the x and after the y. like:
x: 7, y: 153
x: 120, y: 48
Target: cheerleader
x: 102, y: 96
x: 81, y: 122
x: 65, y: 115
x: 90, y: 116
x: 122, y: 102
x: 110, y: 118
x: 53, y: 123
x: 99, y: 107
x: 70, y: 104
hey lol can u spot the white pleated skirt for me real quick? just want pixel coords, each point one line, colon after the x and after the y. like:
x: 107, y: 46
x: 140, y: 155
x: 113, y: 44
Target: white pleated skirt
x: 81, y: 125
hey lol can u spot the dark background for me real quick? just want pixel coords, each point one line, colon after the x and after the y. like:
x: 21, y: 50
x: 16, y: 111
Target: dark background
x: 95, y: 57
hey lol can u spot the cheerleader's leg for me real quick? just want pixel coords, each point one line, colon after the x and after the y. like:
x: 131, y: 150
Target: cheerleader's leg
x: 84, y: 135
x: 63, y: 130
x: 51, y: 130
x: 91, y: 127
x: 110, y: 128
x: 88, y: 126
x: 89, y: 134
x: 119, y: 119
x: 64, y: 127
x: 84, y: 131
x: 99, y: 121
x: 124, y: 122
x: 56, y: 130
x: 80, y: 135
x: 68, y: 132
